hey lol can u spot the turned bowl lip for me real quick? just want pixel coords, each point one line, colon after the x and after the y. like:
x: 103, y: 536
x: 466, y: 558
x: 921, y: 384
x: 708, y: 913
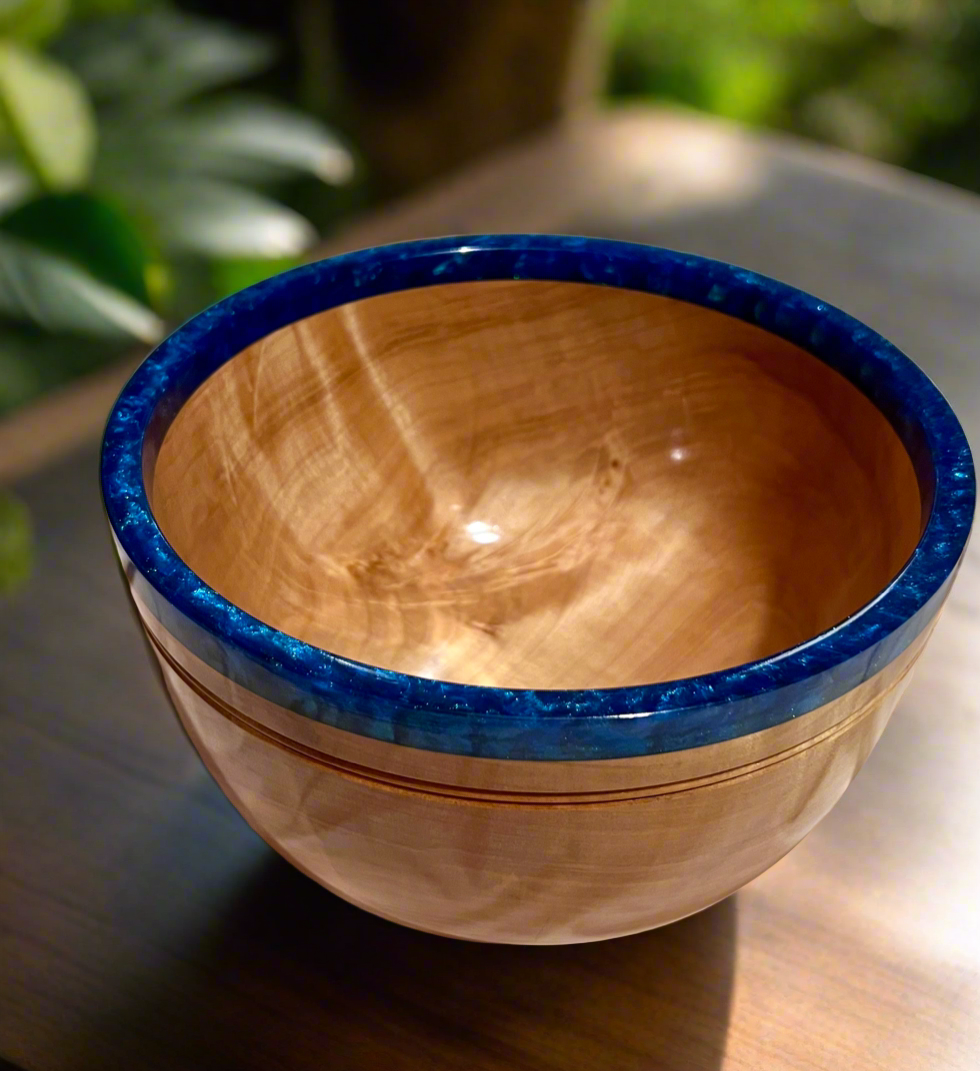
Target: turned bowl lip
x: 501, y: 722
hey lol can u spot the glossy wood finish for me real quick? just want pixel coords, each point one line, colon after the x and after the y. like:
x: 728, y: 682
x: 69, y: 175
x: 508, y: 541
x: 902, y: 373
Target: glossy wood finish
x: 533, y: 869
x: 536, y: 485
x: 146, y: 926
x: 512, y: 780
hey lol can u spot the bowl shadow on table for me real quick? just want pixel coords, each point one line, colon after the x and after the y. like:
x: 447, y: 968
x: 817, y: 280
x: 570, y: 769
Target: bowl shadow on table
x: 293, y: 977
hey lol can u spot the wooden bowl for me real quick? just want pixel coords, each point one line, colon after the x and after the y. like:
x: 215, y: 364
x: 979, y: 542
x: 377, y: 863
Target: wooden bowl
x: 533, y: 589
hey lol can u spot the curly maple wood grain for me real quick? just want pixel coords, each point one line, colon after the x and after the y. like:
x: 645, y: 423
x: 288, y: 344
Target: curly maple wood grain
x: 536, y: 485
x: 523, y: 852
x: 526, y: 871
x: 464, y: 775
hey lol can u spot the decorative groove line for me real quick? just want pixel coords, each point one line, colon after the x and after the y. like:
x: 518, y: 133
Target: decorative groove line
x: 409, y: 784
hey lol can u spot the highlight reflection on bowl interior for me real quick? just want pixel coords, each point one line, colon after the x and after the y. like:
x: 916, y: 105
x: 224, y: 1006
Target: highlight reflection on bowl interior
x: 699, y: 504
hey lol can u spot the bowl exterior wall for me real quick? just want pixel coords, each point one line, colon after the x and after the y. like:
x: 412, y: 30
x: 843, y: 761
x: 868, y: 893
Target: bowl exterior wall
x: 525, y: 866
x: 467, y: 775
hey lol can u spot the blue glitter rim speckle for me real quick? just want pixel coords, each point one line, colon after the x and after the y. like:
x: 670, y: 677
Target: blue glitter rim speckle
x: 522, y: 723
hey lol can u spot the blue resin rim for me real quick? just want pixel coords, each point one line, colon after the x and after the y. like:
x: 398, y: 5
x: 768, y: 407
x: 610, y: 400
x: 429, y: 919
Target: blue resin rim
x: 497, y: 722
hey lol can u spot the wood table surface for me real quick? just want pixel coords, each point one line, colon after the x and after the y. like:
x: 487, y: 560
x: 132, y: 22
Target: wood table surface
x: 143, y: 924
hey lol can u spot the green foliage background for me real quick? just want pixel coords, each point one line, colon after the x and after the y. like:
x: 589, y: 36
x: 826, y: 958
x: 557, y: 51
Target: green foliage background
x: 894, y: 79
x: 138, y: 183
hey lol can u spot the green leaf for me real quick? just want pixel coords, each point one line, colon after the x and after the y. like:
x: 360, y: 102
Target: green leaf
x: 49, y: 114
x: 89, y: 231
x: 233, y: 274
x: 16, y: 543
x: 31, y: 21
x: 42, y: 288
x: 217, y: 218
x: 150, y: 61
x: 242, y: 138
x: 16, y: 185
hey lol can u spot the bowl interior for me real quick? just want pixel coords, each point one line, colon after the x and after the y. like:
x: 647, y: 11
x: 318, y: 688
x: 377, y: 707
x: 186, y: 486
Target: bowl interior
x: 536, y: 484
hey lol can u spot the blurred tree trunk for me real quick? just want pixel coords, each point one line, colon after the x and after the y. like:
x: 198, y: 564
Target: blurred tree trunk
x: 422, y: 86
x: 425, y: 85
